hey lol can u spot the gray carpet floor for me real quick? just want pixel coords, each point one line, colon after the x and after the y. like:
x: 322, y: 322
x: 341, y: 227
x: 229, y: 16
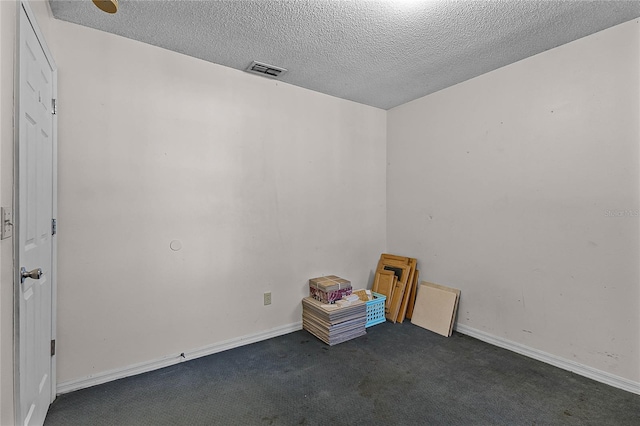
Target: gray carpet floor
x: 398, y: 374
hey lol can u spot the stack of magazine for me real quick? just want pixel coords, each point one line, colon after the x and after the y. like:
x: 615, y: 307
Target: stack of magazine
x: 334, y: 324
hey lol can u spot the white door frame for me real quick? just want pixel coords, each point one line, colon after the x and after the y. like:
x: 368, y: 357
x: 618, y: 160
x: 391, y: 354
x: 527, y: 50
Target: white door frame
x: 16, y: 207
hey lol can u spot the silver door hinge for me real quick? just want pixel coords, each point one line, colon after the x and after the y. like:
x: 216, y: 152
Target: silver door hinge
x: 54, y: 226
x: 54, y: 106
x: 6, y: 229
x: 53, y: 347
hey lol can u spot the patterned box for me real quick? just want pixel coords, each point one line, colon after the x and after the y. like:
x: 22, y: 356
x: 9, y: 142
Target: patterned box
x: 328, y: 289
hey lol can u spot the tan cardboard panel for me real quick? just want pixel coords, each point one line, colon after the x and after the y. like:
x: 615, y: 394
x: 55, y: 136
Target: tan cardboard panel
x: 435, y: 308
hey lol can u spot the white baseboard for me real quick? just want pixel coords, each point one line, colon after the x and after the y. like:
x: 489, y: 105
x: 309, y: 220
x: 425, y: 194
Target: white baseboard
x: 143, y: 367
x: 132, y: 370
x: 565, y: 364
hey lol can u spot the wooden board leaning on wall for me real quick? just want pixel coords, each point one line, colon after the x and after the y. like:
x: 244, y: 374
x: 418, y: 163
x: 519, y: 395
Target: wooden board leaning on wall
x: 399, y: 288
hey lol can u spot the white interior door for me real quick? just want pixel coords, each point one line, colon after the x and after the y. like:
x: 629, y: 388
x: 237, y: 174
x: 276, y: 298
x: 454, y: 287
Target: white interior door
x: 34, y: 237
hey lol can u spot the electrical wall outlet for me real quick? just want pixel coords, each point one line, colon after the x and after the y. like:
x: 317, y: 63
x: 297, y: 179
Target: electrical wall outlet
x: 267, y: 298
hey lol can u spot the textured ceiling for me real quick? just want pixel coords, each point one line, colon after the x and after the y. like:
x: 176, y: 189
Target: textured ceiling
x: 376, y: 52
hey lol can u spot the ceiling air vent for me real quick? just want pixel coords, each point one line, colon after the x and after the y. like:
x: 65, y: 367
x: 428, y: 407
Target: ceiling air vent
x: 266, y: 70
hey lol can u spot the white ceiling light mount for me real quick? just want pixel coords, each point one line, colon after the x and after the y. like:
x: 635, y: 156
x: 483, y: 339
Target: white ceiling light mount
x: 265, y: 70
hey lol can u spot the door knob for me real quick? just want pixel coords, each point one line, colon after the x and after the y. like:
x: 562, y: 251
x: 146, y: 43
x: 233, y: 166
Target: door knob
x: 35, y: 274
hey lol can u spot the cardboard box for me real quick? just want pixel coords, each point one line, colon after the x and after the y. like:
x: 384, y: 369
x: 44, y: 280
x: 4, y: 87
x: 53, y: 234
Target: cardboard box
x: 330, y: 288
x: 329, y: 283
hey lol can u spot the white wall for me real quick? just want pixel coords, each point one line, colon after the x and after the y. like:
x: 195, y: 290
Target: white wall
x: 7, y: 43
x: 264, y: 184
x: 267, y: 184
x: 501, y: 186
